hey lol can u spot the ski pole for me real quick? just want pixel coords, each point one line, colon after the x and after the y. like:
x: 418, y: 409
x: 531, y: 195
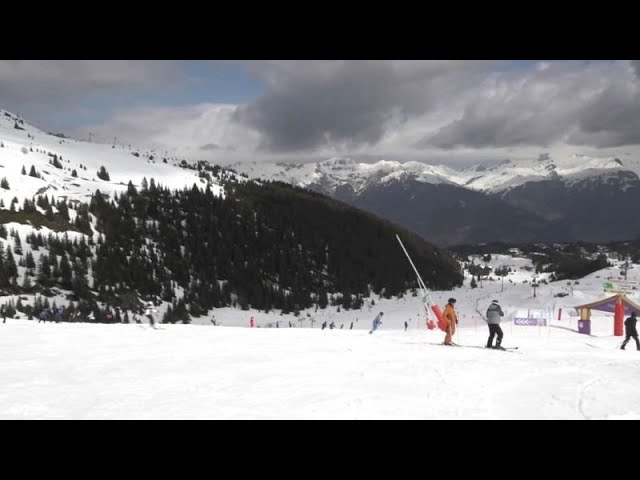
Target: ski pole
x: 420, y: 282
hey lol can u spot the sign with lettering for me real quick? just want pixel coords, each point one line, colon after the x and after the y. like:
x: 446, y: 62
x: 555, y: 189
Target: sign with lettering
x: 530, y: 322
x: 619, y: 285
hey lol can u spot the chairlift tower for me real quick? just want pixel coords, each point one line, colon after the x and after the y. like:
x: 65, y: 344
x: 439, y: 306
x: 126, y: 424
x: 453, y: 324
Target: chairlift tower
x: 535, y: 285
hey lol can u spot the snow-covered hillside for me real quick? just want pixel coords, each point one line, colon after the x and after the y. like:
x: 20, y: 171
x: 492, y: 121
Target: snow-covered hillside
x: 26, y: 146
x: 279, y: 370
x: 82, y: 371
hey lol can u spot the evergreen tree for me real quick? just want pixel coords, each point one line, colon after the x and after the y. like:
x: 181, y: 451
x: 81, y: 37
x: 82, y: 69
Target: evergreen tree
x: 29, y: 262
x: 63, y: 210
x: 323, y: 300
x: 131, y: 189
x: 103, y: 174
x: 44, y: 270
x: 17, y: 248
x: 55, y: 162
x: 65, y: 272
x: 10, y: 268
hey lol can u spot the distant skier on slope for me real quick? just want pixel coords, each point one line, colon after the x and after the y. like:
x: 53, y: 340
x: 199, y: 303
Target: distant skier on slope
x: 44, y: 316
x: 494, y: 312
x: 630, y: 331
x: 377, y: 322
x: 406, y: 325
x: 149, y: 313
x: 451, y: 318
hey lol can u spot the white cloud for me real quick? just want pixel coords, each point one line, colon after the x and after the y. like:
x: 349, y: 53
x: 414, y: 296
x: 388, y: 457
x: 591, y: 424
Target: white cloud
x: 189, y: 131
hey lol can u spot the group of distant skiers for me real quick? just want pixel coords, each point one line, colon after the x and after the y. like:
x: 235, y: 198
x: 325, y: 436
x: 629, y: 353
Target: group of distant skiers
x: 57, y: 315
x: 52, y: 315
x: 332, y: 325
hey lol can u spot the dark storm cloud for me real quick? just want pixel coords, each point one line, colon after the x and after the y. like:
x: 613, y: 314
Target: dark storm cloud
x: 596, y: 105
x: 349, y: 103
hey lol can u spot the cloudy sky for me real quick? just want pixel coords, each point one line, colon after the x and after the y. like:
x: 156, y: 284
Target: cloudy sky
x: 451, y: 112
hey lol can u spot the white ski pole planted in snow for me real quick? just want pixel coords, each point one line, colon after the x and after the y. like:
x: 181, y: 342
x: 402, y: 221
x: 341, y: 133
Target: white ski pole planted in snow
x: 426, y: 298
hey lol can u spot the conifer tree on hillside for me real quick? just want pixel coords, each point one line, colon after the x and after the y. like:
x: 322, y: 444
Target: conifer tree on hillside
x: 103, y: 174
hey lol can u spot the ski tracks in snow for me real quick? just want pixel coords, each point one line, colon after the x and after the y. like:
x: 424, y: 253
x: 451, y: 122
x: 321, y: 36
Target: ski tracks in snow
x: 582, y: 390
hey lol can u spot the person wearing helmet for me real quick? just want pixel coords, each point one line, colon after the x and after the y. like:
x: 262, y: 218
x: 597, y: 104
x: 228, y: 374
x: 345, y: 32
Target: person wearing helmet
x: 149, y: 313
x: 377, y: 322
x: 451, y: 318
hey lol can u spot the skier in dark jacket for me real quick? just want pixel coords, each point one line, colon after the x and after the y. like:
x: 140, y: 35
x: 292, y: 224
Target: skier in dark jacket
x: 630, y: 331
x: 494, y: 312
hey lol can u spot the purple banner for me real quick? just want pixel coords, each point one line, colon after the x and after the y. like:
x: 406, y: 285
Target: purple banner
x: 530, y: 322
x: 584, y: 326
x: 611, y: 308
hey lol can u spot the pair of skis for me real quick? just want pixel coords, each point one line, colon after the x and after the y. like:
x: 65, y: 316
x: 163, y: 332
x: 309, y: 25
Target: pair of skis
x: 503, y: 349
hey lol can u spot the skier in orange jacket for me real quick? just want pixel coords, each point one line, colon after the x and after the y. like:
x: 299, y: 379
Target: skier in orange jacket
x: 452, y: 320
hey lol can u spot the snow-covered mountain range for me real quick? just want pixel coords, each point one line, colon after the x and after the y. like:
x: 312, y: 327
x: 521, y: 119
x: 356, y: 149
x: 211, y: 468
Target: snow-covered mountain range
x: 568, y: 198
x: 495, y: 178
